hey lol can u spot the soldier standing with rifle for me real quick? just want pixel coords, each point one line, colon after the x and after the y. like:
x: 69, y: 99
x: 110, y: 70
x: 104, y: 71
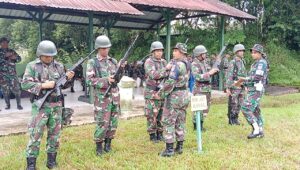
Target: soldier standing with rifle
x: 40, y: 77
x: 103, y: 73
x: 176, y: 95
x: 235, y: 94
x: 155, y: 73
x: 203, y: 75
x: 10, y: 81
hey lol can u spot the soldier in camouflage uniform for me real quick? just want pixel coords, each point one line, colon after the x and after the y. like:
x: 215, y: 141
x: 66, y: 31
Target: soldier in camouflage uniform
x: 203, y: 74
x: 235, y: 94
x: 10, y: 81
x: 40, y: 75
x: 155, y: 73
x: 224, y: 66
x: 100, y: 71
x: 254, y: 83
x: 176, y: 95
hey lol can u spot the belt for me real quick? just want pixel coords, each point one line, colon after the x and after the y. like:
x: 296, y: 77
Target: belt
x: 155, y: 88
x: 204, y: 82
x: 179, y: 88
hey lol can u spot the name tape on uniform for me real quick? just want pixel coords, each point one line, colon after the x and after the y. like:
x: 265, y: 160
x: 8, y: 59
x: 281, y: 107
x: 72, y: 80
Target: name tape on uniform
x: 198, y: 103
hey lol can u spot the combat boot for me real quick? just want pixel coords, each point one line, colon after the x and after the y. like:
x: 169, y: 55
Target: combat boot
x: 99, y: 148
x: 179, y: 147
x: 107, y: 145
x: 169, y: 151
x: 31, y: 161
x: 51, y: 160
x: 7, y: 101
x: 153, y: 137
x: 72, y: 90
x: 159, y: 136
x: 255, y: 133
x: 18, y: 98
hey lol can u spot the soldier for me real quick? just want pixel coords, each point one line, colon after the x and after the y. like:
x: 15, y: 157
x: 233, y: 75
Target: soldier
x: 10, y: 81
x: 78, y: 76
x: 203, y: 74
x: 215, y: 77
x: 100, y: 71
x: 174, y: 90
x: 235, y: 94
x: 155, y: 73
x: 40, y: 75
x: 254, y: 83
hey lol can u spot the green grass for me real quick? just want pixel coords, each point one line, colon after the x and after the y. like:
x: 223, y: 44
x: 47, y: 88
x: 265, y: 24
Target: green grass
x: 225, y: 147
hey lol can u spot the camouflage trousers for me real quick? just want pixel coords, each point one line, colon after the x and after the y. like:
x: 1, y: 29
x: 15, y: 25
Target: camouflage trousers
x: 205, y: 112
x: 106, y: 116
x: 251, y: 108
x: 50, y: 116
x: 153, y: 112
x: 234, y: 103
x: 11, y: 85
x: 174, y: 118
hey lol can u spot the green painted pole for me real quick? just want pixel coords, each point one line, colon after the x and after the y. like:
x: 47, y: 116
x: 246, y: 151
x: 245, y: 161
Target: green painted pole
x: 222, y: 32
x: 168, y: 37
x: 40, y: 21
x: 199, y: 132
x: 158, y: 32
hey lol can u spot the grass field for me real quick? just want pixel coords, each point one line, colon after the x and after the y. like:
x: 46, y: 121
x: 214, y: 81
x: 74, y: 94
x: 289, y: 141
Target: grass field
x: 225, y: 147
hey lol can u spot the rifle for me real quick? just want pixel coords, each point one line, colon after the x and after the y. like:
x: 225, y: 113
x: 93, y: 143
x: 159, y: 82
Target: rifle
x: 218, y: 61
x: 61, y: 82
x: 118, y: 75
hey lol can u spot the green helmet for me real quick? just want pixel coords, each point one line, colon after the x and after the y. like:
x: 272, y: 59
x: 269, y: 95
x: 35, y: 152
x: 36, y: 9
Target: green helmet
x: 102, y: 41
x: 181, y: 47
x: 200, y: 49
x: 156, y: 45
x: 46, y: 48
x: 238, y: 47
x: 257, y: 47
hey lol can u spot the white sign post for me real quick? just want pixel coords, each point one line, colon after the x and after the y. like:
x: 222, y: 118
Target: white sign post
x: 198, y: 104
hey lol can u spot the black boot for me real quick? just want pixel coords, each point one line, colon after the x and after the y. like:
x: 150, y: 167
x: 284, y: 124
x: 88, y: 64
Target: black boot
x: 153, y: 137
x: 18, y: 98
x: 169, y: 151
x: 51, y: 160
x: 107, y: 145
x: 7, y: 101
x: 99, y: 148
x: 159, y: 136
x: 72, y: 90
x: 7, y: 107
x: 179, y: 147
x: 31, y: 161
x: 236, y: 120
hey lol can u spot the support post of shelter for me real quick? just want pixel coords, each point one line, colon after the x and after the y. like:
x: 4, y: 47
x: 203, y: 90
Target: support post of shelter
x: 158, y: 32
x: 221, y: 41
x: 168, y: 36
x: 40, y: 22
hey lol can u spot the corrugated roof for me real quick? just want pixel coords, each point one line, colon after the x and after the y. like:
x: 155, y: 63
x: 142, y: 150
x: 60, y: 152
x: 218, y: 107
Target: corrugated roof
x: 206, y: 6
x: 106, y: 6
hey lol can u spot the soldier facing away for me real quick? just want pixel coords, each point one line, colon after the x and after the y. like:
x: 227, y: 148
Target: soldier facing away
x: 177, y: 98
x: 100, y: 71
x: 40, y: 75
x: 155, y: 73
x: 9, y: 79
x: 203, y: 75
x: 254, y: 83
x: 235, y: 94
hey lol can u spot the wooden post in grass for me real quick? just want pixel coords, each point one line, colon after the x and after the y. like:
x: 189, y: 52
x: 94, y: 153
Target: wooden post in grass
x: 198, y: 104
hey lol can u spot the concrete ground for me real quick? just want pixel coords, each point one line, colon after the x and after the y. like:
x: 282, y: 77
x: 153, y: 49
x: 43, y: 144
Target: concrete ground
x: 15, y: 121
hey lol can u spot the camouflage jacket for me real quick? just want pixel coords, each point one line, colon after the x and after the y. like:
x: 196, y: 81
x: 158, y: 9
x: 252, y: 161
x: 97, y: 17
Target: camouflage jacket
x: 175, y: 87
x: 8, y: 60
x: 97, y: 72
x: 202, y: 78
x: 155, y: 72
x: 257, y: 73
x: 236, y: 69
x: 37, y: 72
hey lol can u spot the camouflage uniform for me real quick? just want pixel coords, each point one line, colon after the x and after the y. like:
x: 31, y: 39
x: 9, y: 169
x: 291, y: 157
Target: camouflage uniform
x: 177, y: 100
x: 250, y: 106
x: 202, y: 84
x: 155, y: 72
x: 9, y: 79
x: 236, y: 69
x: 50, y: 114
x: 106, y: 109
